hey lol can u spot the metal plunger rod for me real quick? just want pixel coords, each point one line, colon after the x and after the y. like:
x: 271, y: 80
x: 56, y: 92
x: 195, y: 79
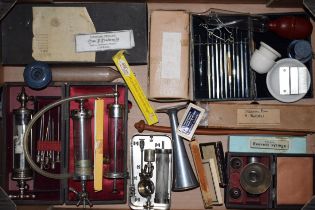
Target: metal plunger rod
x: 115, y: 142
x: 141, y: 126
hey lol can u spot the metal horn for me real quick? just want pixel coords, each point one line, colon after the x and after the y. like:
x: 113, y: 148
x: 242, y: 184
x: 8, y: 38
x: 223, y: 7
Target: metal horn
x: 183, y: 174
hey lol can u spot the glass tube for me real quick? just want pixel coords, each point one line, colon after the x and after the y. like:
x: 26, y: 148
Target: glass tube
x: 82, y: 142
x: 162, y: 185
x: 116, y: 144
x: 21, y: 168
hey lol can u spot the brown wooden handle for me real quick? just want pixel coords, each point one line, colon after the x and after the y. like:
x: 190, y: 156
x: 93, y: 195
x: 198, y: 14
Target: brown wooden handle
x: 142, y: 126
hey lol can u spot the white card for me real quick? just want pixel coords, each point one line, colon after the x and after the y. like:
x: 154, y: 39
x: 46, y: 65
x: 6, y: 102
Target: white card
x: 284, y: 80
x: 112, y: 40
x: 190, y: 121
x: 302, y: 80
x: 294, y: 80
x: 171, y: 55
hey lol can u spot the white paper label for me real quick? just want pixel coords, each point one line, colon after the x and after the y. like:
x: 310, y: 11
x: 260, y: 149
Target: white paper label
x: 112, y: 40
x: 302, y: 80
x: 18, y: 139
x: 124, y: 68
x: 171, y: 55
x: 258, y: 116
x: 277, y: 144
x: 284, y: 80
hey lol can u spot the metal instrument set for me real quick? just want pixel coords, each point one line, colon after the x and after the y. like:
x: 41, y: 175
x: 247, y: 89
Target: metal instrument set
x: 151, y: 172
x: 37, y: 146
x: 223, y: 67
x: 48, y: 143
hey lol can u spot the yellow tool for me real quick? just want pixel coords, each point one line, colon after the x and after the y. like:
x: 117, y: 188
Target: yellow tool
x: 135, y: 88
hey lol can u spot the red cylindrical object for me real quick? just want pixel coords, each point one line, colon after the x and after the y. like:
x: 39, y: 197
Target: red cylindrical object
x: 291, y: 27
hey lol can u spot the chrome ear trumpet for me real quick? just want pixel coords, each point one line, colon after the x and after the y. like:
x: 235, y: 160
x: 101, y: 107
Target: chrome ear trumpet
x: 183, y: 174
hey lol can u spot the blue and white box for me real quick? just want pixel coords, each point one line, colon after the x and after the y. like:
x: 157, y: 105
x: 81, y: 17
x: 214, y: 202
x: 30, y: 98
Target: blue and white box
x: 267, y: 144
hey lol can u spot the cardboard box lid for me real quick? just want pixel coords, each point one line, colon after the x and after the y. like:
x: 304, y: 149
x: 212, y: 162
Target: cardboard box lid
x: 169, y: 55
x: 17, y: 32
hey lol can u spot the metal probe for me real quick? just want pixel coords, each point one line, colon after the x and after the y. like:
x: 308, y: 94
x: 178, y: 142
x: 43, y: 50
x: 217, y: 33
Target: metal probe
x: 242, y: 68
x: 238, y: 67
x: 208, y: 68
x: 200, y: 64
x: 246, y: 69
x: 225, y: 69
x: 229, y: 69
x: 212, y: 69
x: 217, y: 67
x: 234, y: 69
x: 221, y: 68
x: 40, y: 139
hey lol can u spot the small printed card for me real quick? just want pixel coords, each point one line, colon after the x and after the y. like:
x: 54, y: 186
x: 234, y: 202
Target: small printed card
x: 112, y: 40
x: 190, y: 121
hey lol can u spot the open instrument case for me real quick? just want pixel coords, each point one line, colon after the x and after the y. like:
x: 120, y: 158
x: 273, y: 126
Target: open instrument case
x: 269, y: 181
x: 37, y: 187
x: 114, y: 190
x: 222, y: 43
x: 52, y: 144
x: 151, y: 161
